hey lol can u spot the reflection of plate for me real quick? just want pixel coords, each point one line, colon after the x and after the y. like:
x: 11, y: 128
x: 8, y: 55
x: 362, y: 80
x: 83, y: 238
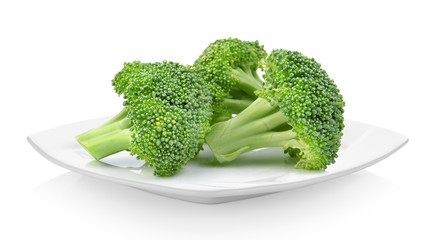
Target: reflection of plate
x: 204, y: 180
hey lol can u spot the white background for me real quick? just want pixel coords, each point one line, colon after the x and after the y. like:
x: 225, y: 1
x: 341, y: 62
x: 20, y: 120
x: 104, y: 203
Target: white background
x: 56, y: 62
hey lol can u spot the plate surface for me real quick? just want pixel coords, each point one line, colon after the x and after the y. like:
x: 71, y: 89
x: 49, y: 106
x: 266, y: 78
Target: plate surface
x: 204, y: 180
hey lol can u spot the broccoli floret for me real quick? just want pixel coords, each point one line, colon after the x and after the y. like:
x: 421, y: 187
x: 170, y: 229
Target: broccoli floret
x: 299, y: 108
x: 229, y: 68
x: 167, y: 112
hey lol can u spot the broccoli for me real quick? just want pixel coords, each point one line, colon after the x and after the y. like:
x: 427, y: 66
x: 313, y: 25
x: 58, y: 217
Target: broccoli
x: 299, y: 108
x: 167, y: 112
x: 229, y: 68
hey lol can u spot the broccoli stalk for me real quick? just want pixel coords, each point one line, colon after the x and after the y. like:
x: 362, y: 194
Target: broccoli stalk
x: 247, y: 80
x: 299, y: 109
x: 255, y: 127
x: 111, y: 137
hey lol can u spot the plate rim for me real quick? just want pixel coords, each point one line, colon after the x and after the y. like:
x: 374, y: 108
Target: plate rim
x: 280, y: 186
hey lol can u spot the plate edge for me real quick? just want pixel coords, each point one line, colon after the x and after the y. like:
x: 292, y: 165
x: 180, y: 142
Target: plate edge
x: 213, y: 193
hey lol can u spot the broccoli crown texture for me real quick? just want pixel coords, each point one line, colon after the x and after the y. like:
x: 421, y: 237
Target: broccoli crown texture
x: 166, y: 113
x: 311, y: 102
x: 123, y: 78
x: 168, y: 110
x: 299, y: 109
x: 231, y: 62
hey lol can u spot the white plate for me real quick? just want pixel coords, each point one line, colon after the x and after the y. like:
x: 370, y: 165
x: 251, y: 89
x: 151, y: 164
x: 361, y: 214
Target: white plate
x: 204, y: 180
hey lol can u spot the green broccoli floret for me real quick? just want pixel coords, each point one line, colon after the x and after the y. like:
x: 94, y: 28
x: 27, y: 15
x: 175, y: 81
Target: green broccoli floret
x: 229, y: 68
x: 299, y: 109
x: 167, y: 112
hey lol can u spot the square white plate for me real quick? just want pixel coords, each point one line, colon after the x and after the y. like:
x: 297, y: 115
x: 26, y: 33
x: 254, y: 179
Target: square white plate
x: 204, y: 180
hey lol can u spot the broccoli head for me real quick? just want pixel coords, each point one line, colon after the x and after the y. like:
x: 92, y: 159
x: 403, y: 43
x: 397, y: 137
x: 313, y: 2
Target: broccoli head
x: 229, y: 68
x: 299, y: 108
x: 166, y: 115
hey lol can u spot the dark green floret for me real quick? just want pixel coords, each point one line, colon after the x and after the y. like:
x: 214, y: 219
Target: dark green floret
x: 229, y: 68
x: 299, y: 108
x: 166, y: 114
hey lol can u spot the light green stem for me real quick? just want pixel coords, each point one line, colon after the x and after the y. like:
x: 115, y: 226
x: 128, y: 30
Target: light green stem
x: 253, y: 128
x: 95, y: 131
x: 237, y: 93
x: 235, y: 106
x: 258, y: 109
x: 111, y: 137
x: 232, y: 149
x: 264, y: 124
x: 247, y: 81
x: 107, y: 144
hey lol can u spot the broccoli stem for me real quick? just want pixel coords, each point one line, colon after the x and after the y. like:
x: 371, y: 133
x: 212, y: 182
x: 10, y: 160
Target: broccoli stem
x: 255, y: 127
x: 220, y: 117
x: 237, y: 93
x: 248, y: 80
x: 111, y: 137
x: 235, y: 106
x: 89, y: 133
x: 241, y: 95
